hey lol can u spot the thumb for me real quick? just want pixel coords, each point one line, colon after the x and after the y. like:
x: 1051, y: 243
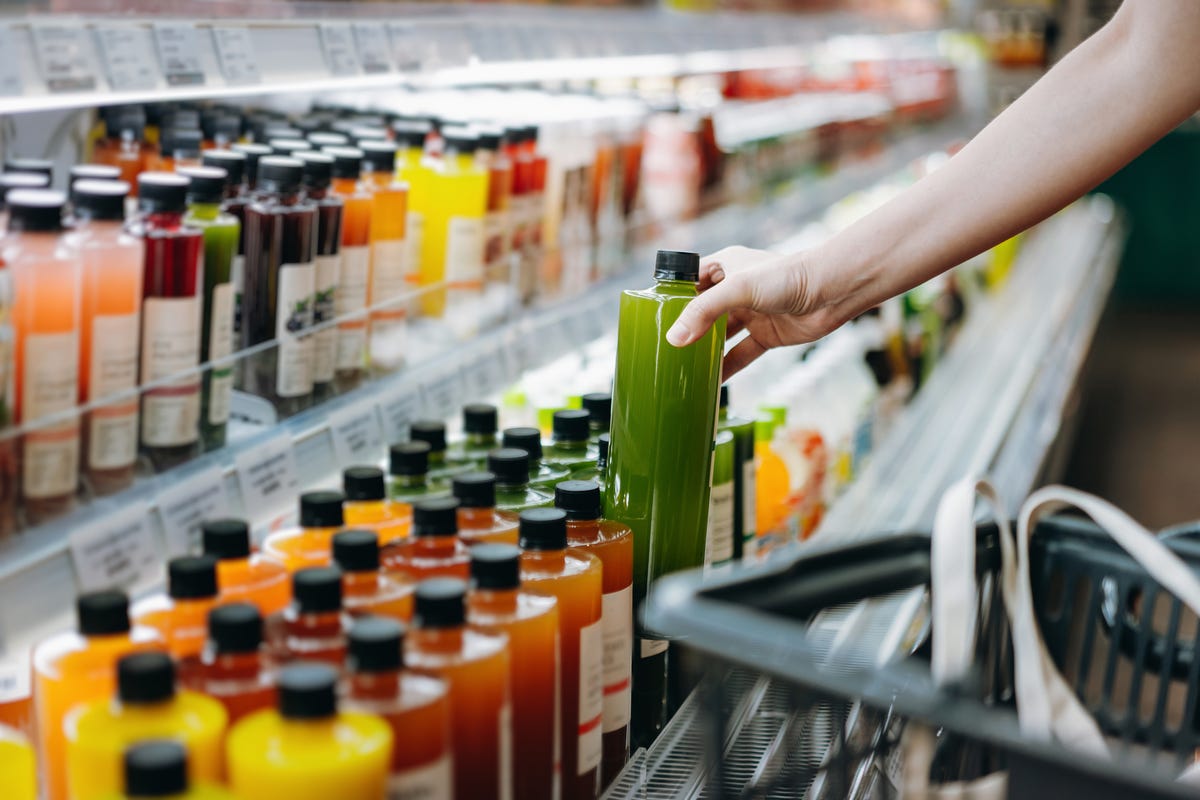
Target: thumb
x: 701, y: 313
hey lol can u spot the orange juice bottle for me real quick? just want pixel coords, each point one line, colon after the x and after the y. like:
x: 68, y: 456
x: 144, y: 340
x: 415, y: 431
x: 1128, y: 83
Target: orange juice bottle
x: 310, y: 544
x: 314, y: 626
x: 475, y: 666
x: 612, y: 543
x: 367, y: 505
x: 308, y: 750
x: 389, y: 256
x: 77, y: 668
x: 147, y: 706
x: 576, y: 578
x: 350, y: 296
x: 234, y: 669
x: 243, y: 576
x: 159, y: 768
x: 771, y: 481
x: 434, y: 550
x: 17, y: 765
x: 478, y: 519
x: 417, y: 707
x: 181, y: 615
x: 365, y: 589
x: 496, y: 605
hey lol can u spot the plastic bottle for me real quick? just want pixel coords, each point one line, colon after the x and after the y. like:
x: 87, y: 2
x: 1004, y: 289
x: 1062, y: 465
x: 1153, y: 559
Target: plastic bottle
x: 475, y: 666
x: 243, y: 576
x: 596, y: 472
x: 314, y: 626
x: 478, y: 519
x: 159, y: 768
x: 433, y: 433
x: 282, y: 146
x: 479, y: 436
x: 744, y: 471
x: 773, y: 485
x: 664, y: 407
x: 111, y: 261
x: 541, y: 474
x: 147, y: 706
x: 570, y: 447
x: 234, y: 203
x: 17, y: 765
x: 178, y: 148
x: 367, y: 505
x: 318, y: 174
x: 434, y: 549
x: 522, y: 210
x: 365, y: 589
x: 453, y: 250
x: 308, y: 750
x: 612, y: 543
x: 254, y: 153
x: 417, y: 707
x: 408, y: 468
x: 172, y: 314
x: 410, y: 136
x: 125, y: 149
x: 493, y: 158
x: 350, y: 297
x: 234, y: 668
x: 12, y: 181
x: 389, y: 257
x: 513, y: 492
x: 719, y: 535
x: 497, y: 606
x: 575, y: 578
x: 599, y: 408
x: 181, y: 615
x: 311, y: 544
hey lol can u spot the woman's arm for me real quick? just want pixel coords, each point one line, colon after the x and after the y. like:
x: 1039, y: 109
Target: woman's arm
x: 1106, y: 102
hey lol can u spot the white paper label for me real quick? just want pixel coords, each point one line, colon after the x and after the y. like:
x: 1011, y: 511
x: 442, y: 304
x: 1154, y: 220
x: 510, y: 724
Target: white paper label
x: 591, y: 695
x: 749, y: 500
x: 357, y: 437
x: 389, y: 272
x: 398, y: 408
x: 325, y: 340
x: 293, y: 309
x: 443, y: 391
x: 237, y: 268
x: 464, y: 251
x: 235, y: 52
x: 718, y: 544
x: 495, y: 251
x: 433, y: 781
x: 373, y: 47
x: 128, y: 59
x: 64, y: 57
x: 112, y: 436
x: 338, y: 45
x: 618, y: 657
x: 10, y: 68
x: 648, y: 648
x: 50, y: 456
x: 267, y: 475
x: 506, y: 753
x: 117, y: 551
x: 170, y: 345
x: 179, y: 53
x: 414, y: 237
x: 185, y: 504
x: 351, y: 293
x: 220, y: 346
x: 113, y: 365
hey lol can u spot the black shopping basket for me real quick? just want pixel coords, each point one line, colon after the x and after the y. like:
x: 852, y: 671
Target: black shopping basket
x: 1129, y: 649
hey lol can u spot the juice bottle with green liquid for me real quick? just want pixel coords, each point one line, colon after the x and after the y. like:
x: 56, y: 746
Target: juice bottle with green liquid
x: 719, y: 536
x: 408, y: 473
x: 570, y: 446
x: 159, y: 768
x: 433, y: 433
x: 599, y: 408
x: 596, y: 472
x: 453, y: 250
x: 664, y: 416
x: 744, y: 470
x: 510, y: 465
x: 541, y: 473
x: 480, y: 423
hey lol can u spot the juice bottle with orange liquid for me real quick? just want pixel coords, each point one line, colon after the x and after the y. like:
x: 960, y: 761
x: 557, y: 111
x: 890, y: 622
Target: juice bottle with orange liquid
x: 575, y: 578
x: 417, y: 707
x: 350, y: 296
x: 453, y: 251
x: 181, y: 615
x: 234, y: 669
x: 124, y: 147
x: 493, y: 157
x: 521, y: 211
x: 314, y: 626
x: 367, y: 505
x: 478, y: 519
x: 772, y: 484
x: 496, y: 605
x: 475, y: 665
x: 434, y: 549
x: 365, y: 589
x: 311, y: 544
x: 243, y: 576
x: 389, y: 256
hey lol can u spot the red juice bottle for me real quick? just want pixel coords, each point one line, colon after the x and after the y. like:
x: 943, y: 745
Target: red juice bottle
x: 318, y: 174
x: 366, y: 590
x: 434, y: 549
x: 314, y: 626
x: 234, y: 669
x: 478, y: 519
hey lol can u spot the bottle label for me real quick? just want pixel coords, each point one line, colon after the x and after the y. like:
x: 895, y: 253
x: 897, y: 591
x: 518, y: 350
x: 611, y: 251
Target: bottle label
x: 350, y: 296
x: 112, y: 436
x: 51, y: 456
x: 537, y: 212
x: 112, y: 430
x: 389, y: 274
x: 220, y: 346
x: 325, y: 339
x: 519, y: 209
x: 414, y: 239
x: 506, y: 753
x: 170, y: 345
x: 433, y: 781
x: 749, y: 499
x: 618, y: 657
x: 237, y: 268
x: 648, y: 648
x: 718, y: 545
x: 496, y: 241
x: 464, y: 251
x: 591, y: 696
x: 293, y: 317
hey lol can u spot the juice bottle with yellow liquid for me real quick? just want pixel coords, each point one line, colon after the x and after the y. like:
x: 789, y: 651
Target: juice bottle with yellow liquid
x: 478, y: 519
x: 365, y: 589
x: 410, y: 136
x: 453, y: 250
x: 350, y: 296
x: 475, y: 666
x: 367, y: 505
x: 417, y: 707
x: 434, y: 549
x: 159, y: 768
x: 513, y: 492
x: 496, y: 605
x: 147, y: 706
x: 77, y: 668
x: 571, y: 446
x: 18, y: 765
x: 314, y: 626
x: 408, y: 471
x: 243, y: 576
x: 575, y: 578
x: 308, y: 749
x: 234, y: 668
x: 310, y: 544
x: 541, y: 473
x: 388, y: 285
x: 479, y: 436
x: 612, y: 543
x: 181, y: 614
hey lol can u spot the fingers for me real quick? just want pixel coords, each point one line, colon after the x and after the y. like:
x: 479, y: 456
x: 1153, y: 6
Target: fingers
x: 742, y: 355
x: 736, y: 323
x: 711, y: 273
x: 701, y: 313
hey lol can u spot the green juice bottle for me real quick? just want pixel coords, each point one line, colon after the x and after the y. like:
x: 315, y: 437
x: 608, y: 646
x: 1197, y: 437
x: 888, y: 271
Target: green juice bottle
x: 408, y: 473
x: 597, y: 471
x: 664, y: 415
x: 719, y: 536
x: 510, y: 465
x: 541, y: 474
x: 570, y: 447
x: 745, y: 515
x: 222, y: 231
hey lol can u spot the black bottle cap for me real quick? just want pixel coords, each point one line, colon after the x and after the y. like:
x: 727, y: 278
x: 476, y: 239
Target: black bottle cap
x: 677, y: 265
x: 431, y: 431
x: 437, y: 516
x: 356, y: 551
x: 308, y: 691
x: 321, y: 509
x: 411, y: 132
x: 378, y: 156
x: 102, y: 613
x: 440, y: 603
x: 11, y: 181
x: 162, y: 192
x: 39, y: 210
x: 364, y: 483
x: 147, y: 677
x: 207, y: 183
x: 192, y: 577
x: 124, y: 121
x: 496, y: 566
x: 527, y: 439
x: 602, y: 442
x: 288, y: 147
x: 460, y: 139
x: 318, y: 169
x: 319, y: 139
x: 280, y: 174
x: 480, y: 418
x: 317, y: 590
x: 723, y: 401
x: 531, y: 133
x: 156, y: 768
x: 599, y: 408
x: 409, y: 458
x: 94, y: 172
x: 235, y: 628
x: 233, y: 162
x: 543, y: 529
x: 510, y: 466
x: 376, y: 645
x: 225, y: 539
x: 253, y: 153
x: 227, y: 127
x: 41, y: 166
x: 99, y: 199
x: 572, y: 425
x: 580, y: 499
x: 178, y: 142
x: 475, y: 489
x: 347, y: 161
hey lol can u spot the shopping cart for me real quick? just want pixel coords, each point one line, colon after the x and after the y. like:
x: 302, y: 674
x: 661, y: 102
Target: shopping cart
x: 1130, y: 650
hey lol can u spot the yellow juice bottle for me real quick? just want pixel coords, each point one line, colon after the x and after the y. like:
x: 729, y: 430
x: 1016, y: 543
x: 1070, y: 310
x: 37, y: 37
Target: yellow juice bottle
x: 411, y: 169
x: 453, y: 250
x: 367, y: 505
x: 17, y: 765
x: 159, y: 768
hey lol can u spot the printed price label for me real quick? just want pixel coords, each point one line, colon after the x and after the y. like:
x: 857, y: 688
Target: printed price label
x: 357, y: 436
x: 267, y: 475
x: 407, y: 47
x: 398, y: 409
x: 179, y: 53
x: 127, y: 58
x: 188, y: 503
x: 235, y: 53
x: 64, y: 57
x: 443, y: 392
x: 373, y: 47
x: 337, y: 41
x: 117, y: 551
x: 10, y: 68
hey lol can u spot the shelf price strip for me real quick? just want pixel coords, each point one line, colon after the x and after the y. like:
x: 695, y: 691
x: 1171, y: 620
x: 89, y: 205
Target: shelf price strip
x: 179, y: 54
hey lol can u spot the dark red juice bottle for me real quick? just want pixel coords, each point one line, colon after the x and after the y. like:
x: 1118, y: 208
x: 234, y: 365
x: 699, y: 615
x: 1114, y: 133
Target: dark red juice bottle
x: 318, y: 173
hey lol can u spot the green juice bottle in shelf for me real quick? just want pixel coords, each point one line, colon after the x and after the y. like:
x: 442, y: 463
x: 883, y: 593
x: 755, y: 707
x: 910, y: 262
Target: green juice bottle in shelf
x: 719, y: 536
x: 408, y: 470
x: 513, y: 492
x: 599, y: 408
x: 479, y: 436
x: 433, y: 433
x: 540, y: 473
x: 570, y: 447
x: 596, y: 472
x: 744, y: 483
x: 664, y: 415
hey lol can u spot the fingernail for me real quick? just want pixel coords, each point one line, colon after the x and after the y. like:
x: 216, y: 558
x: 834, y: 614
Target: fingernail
x: 678, y: 335
x: 716, y: 275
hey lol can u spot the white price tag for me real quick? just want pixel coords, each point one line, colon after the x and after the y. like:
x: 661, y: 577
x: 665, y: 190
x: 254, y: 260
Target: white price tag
x: 357, y: 436
x: 116, y: 551
x: 407, y: 47
x: 443, y: 393
x: 338, y: 43
x: 373, y: 47
x: 10, y: 68
x: 235, y: 53
x: 179, y: 53
x: 14, y: 679
x: 267, y: 475
x: 398, y: 409
x: 185, y: 504
x: 127, y: 58
x: 64, y: 56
